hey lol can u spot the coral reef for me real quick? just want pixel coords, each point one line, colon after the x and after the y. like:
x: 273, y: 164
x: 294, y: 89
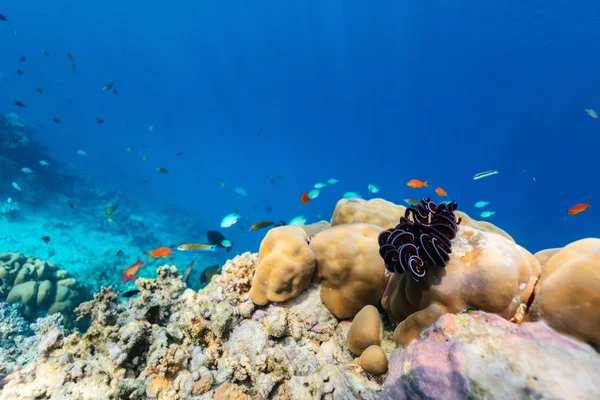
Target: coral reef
x: 207, y: 344
x: 365, y: 330
x: 268, y: 326
x: 378, y: 212
x: 21, y: 342
x: 285, y: 265
x: 483, y: 356
x: 349, y: 268
x: 9, y: 209
x: 414, y: 246
x: 486, y: 271
x: 39, y: 285
x: 567, y: 295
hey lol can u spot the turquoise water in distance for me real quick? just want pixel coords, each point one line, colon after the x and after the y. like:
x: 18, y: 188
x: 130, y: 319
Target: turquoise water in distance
x: 368, y: 93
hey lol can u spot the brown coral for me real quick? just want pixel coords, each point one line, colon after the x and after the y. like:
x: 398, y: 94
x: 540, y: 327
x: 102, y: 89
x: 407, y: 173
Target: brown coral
x: 486, y: 271
x: 285, y: 265
x: 567, y: 295
x: 351, y: 272
x: 39, y: 285
x: 380, y: 212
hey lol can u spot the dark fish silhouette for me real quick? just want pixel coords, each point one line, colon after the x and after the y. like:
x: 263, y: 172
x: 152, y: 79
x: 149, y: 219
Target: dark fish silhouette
x: 3, y: 18
x: 119, y: 252
x: 153, y: 314
x: 188, y: 271
x: 19, y: 72
x: 56, y: 120
x: 99, y: 120
x: 40, y: 91
x: 22, y: 59
x: 130, y: 293
x: 209, y: 272
x: 46, y: 239
x: 70, y: 57
x: 216, y: 238
x: 18, y: 103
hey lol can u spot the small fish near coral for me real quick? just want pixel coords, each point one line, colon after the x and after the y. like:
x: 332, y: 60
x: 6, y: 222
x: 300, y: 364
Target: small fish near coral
x: 46, y: 239
x: 130, y: 293
x: 260, y: 225
x: 153, y: 314
x: 425, y: 242
x: 305, y: 198
x: 417, y: 184
x: 578, y: 208
x: 485, y: 174
x: 196, y: 247
x: 130, y: 272
x: 160, y: 252
x: 217, y: 239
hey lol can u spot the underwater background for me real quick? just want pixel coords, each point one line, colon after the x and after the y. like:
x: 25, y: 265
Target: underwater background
x: 273, y: 97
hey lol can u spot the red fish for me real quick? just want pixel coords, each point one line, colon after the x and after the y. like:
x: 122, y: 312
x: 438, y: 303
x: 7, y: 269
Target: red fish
x: 130, y: 272
x: 305, y: 198
x: 577, y: 208
x: 160, y: 252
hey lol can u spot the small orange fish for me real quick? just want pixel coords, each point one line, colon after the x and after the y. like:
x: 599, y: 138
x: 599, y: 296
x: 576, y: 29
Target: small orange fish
x: 305, y: 198
x: 415, y: 183
x: 160, y: 252
x: 195, y: 321
x: 130, y: 272
x: 441, y: 192
x: 577, y: 208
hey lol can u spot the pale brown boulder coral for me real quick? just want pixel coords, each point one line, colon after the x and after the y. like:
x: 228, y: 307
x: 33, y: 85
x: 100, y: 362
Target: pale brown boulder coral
x: 39, y: 285
x: 544, y: 255
x: 486, y: 271
x: 482, y: 225
x: 365, y: 330
x: 380, y: 212
x: 373, y: 360
x: 351, y: 272
x: 567, y: 296
x: 285, y: 266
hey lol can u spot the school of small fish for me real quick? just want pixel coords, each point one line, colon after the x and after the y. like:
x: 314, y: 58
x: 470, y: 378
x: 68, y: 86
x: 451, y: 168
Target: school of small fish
x: 215, y: 239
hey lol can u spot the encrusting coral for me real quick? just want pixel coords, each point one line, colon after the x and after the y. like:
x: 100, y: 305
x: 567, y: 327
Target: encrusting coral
x: 39, y: 285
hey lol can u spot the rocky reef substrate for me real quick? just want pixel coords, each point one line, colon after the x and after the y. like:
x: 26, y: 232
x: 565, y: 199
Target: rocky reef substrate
x: 315, y: 315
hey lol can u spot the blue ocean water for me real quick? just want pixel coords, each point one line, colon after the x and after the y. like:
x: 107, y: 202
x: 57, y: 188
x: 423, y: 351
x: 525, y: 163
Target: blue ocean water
x: 365, y: 93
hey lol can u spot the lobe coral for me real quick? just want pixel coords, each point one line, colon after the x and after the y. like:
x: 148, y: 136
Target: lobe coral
x: 413, y: 246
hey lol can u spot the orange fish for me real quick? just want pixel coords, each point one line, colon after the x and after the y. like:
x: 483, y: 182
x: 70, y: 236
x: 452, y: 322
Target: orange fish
x: 160, y: 252
x: 130, y: 272
x: 305, y: 198
x: 441, y: 192
x: 577, y: 208
x: 415, y: 183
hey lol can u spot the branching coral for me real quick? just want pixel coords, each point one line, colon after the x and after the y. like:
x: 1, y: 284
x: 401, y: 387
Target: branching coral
x: 413, y: 246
